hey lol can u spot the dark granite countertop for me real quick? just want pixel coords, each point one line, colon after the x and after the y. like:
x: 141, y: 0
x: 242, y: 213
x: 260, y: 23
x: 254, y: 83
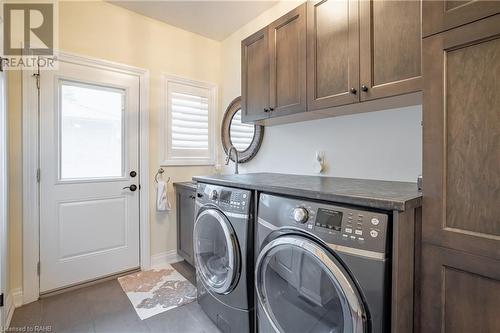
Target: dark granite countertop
x: 191, y: 185
x: 386, y: 195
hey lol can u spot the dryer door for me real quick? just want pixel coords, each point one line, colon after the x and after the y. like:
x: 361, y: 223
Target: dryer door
x: 216, y: 251
x: 301, y: 287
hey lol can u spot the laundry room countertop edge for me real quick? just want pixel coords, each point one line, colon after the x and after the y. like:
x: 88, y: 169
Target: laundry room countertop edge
x: 379, y: 194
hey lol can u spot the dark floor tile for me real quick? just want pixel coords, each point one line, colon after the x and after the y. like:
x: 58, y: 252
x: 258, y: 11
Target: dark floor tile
x: 107, y: 298
x: 178, y: 320
x: 28, y: 315
x: 66, y: 310
x: 120, y: 323
x: 202, y: 318
x: 87, y: 327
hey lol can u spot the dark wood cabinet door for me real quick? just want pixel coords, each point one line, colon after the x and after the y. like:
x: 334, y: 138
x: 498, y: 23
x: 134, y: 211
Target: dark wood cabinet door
x: 185, y: 223
x: 460, y: 291
x: 390, y: 48
x: 461, y: 138
x: 287, y: 49
x: 442, y: 15
x: 332, y: 53
x: 255, y: 76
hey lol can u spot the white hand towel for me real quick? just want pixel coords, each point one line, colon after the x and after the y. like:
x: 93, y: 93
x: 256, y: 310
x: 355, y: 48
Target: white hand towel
x: 162, y: 202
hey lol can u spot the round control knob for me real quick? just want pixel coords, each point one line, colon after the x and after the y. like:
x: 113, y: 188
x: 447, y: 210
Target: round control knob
x: 300, y: 215
x: 373, y: 233
x: 375, y: 221
x: 213, y: 195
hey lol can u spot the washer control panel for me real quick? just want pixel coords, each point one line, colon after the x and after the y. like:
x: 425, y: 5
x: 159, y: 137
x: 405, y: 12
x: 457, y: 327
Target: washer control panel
x: 228, y: 199
x: 334, y: 224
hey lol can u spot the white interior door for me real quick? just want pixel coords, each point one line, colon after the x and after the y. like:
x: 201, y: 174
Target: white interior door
x: 89, y: 148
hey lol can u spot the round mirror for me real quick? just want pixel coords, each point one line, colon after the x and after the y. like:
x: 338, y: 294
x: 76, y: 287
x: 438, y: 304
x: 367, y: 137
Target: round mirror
x: 246, y: 138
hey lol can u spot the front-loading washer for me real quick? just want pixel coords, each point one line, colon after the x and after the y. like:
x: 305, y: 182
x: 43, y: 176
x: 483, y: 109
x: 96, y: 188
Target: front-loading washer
x: 223, y: 253
x: 321, y: 267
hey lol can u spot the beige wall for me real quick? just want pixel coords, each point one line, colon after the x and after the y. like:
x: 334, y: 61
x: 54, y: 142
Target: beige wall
x: 104, y: 31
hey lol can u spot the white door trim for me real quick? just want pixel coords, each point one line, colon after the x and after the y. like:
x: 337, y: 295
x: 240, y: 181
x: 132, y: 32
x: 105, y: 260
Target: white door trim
x: 4, y: 204
x: 31, y: 219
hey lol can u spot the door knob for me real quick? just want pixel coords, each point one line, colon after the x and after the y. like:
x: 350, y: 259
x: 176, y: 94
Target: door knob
x: 364, y: 88
x: 353, y: 91
x: 132, y: 187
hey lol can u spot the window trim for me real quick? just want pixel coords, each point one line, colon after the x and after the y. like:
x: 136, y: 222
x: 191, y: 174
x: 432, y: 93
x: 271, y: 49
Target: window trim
x: 165, y: 120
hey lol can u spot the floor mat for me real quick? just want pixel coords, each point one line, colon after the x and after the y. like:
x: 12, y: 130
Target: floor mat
x: 158, y: 290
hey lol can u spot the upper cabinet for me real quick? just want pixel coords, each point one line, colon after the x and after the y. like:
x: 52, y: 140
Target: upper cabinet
x: 333, y: 53
x: 287, y: 50
x: 273, y: 68
x: 330, y: 53
x: 255, y: 76
x: 444, y: 15
x: 390, y: 48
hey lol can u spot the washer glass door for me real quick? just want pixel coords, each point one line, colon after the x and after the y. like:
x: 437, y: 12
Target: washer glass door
x: 216, y: 251
x: 301, y: 287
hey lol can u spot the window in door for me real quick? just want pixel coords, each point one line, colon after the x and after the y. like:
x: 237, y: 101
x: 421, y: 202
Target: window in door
x: 187, y: 126
x: 91, y: 124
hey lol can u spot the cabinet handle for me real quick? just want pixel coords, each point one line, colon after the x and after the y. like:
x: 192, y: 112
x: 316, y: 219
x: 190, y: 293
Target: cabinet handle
x: 192, y: 197
x: 364, y: 88
x: 266, y: 110
x: 271, y: 109
x: 353, y: 91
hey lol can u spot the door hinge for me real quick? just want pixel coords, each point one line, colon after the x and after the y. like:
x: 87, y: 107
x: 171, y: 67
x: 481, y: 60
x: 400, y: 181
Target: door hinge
x: 38, y: 268
x: 38, y: 175
x: 37, y: 78
x: 1, y: 64
x: 1, y: 300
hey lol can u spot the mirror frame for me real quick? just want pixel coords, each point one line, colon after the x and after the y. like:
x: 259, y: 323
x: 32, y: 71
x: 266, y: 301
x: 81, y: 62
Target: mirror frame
x: 251, y: 151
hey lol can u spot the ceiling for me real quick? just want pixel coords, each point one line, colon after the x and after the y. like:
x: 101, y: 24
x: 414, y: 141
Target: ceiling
x: 212, y: 19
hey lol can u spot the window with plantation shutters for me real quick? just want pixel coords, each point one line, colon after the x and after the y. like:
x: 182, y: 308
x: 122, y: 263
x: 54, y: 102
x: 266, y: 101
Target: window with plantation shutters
x: 189, y: 118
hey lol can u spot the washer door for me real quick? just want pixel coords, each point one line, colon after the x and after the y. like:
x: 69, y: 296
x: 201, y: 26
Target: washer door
x: 216, y: 251
x: 302, y: 288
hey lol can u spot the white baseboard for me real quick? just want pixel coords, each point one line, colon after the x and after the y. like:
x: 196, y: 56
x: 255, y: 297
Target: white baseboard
x: 14, y: 300
x: 164, y: 258
x: 17, y: 297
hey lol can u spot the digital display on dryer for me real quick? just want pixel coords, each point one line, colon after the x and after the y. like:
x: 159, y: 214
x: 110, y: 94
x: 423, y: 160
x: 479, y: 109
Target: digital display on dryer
x: 330, y: 219
x: 225, y: 196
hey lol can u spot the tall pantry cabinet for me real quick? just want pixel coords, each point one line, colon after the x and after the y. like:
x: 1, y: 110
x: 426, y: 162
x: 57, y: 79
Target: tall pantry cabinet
x: 460, y: 277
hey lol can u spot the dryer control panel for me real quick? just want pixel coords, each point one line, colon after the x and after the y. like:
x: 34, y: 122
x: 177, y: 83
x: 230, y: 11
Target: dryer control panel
x: 334, y: 224
x: 227, y: 199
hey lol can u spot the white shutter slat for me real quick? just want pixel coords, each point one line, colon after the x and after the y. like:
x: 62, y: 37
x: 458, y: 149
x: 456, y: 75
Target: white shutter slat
x: 189, y: 110
x: 189, y: 130
x: 189, y: 137
x: 188, y: 124
x: 189, y: 104
x: 189, y: 117
x: 189, y: 97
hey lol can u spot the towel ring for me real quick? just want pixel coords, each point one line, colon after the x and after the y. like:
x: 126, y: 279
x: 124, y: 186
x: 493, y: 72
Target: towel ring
x: 158, y: 173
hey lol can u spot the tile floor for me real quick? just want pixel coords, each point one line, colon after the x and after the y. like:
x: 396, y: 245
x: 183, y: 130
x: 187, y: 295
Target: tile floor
x: 105, y: 308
